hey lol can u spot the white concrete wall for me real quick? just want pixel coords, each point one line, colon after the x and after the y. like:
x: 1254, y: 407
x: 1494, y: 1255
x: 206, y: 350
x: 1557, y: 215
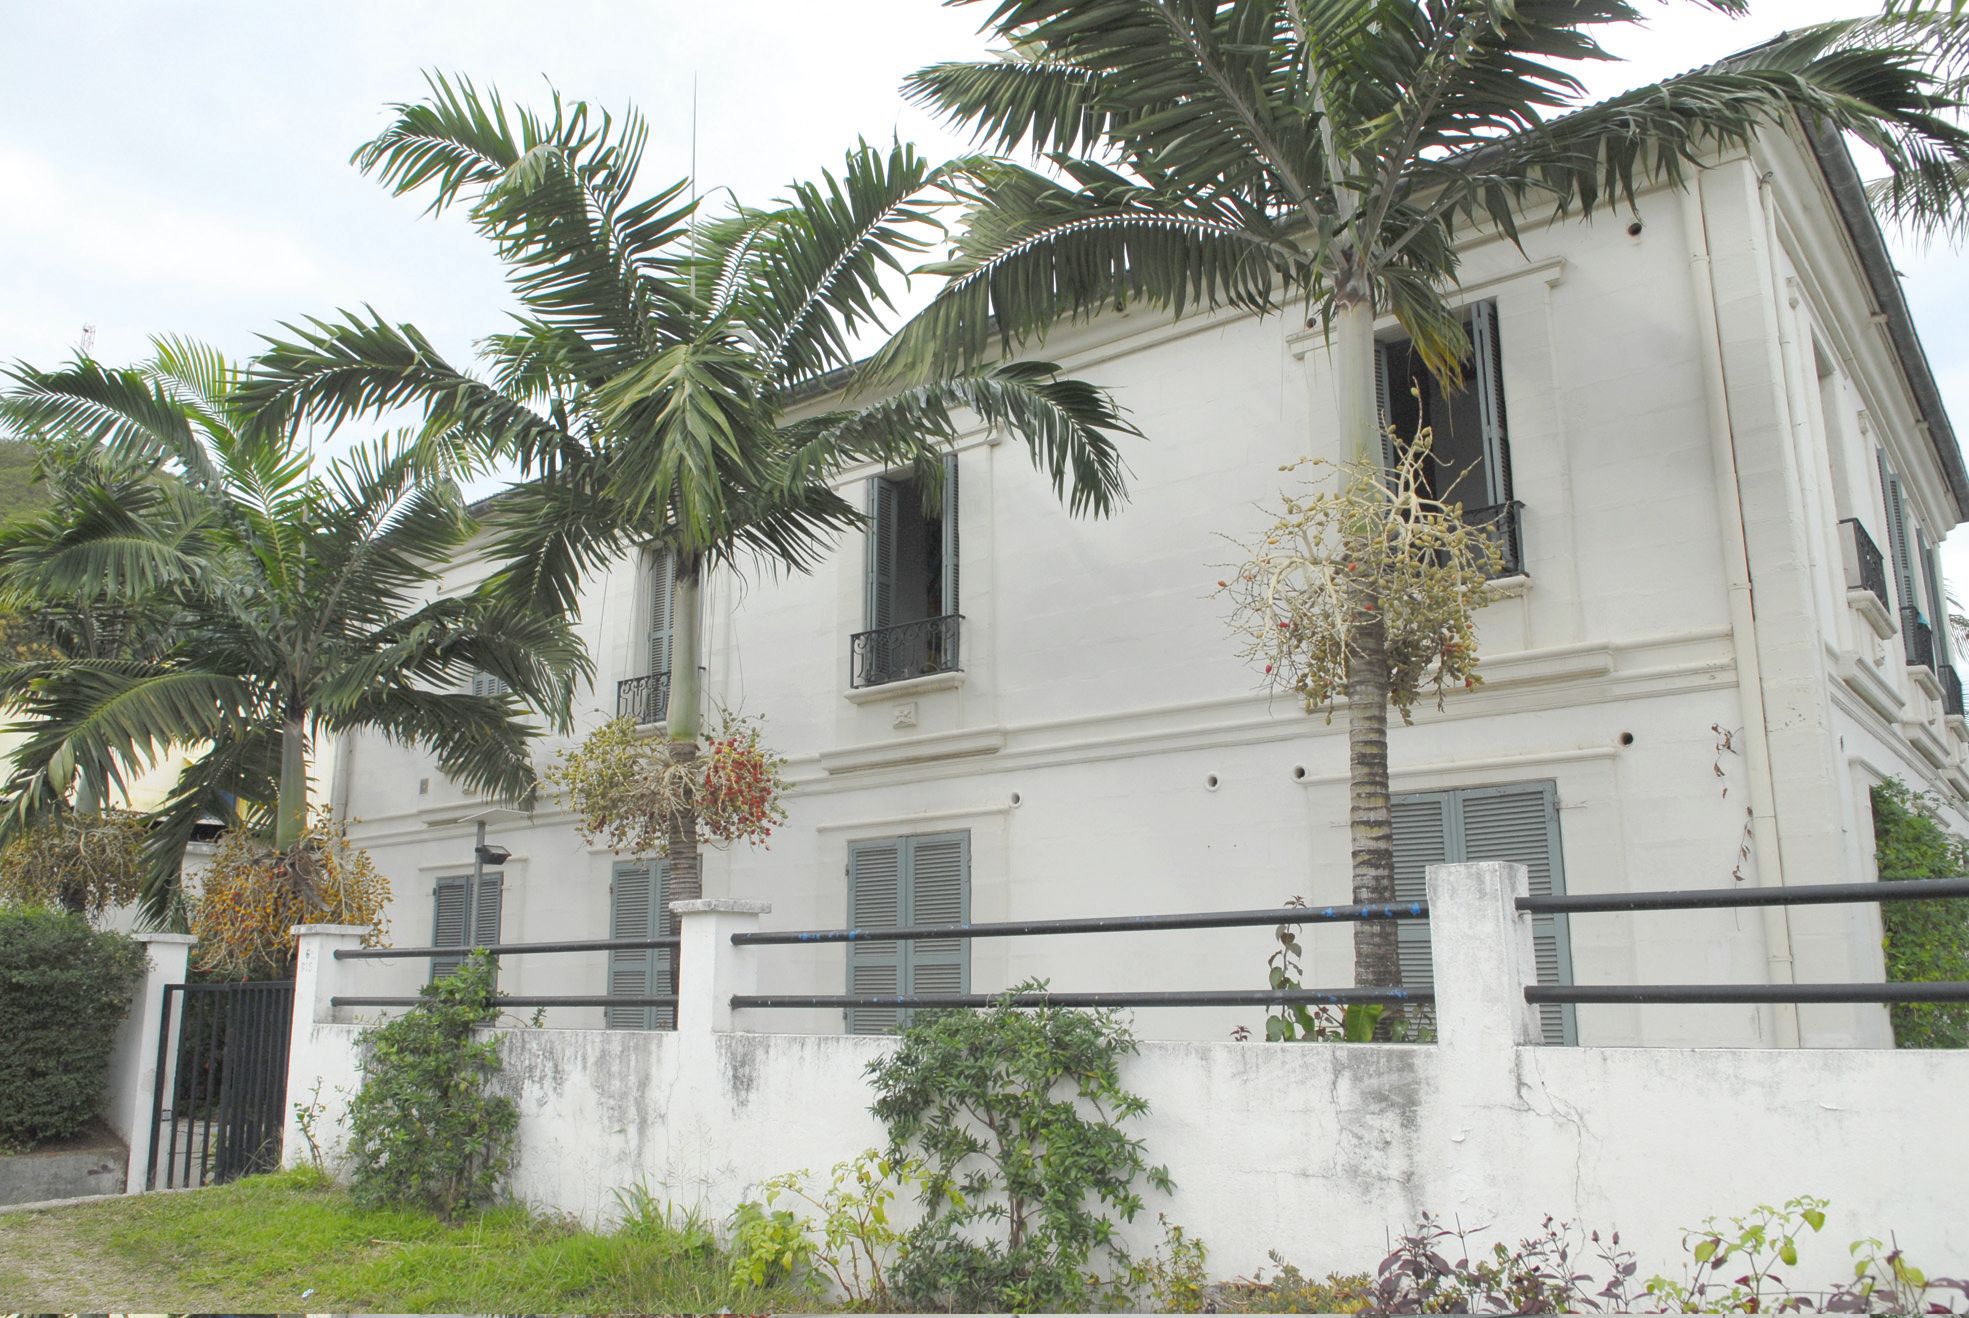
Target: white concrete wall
x: 1317, y: 1151
x: 1100, y: 690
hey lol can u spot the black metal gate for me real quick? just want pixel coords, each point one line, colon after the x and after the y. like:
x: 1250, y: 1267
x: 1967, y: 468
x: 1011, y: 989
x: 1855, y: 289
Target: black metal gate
x: 221, y: 1096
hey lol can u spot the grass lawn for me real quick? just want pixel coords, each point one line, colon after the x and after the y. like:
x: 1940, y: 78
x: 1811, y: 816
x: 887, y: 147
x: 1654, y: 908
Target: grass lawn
x: 292, y: 1242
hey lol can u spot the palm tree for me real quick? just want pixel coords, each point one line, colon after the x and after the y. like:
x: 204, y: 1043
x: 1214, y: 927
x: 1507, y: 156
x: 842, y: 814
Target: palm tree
x: 1326, y: 154
x: 649, y: 387
x: 257, y: 603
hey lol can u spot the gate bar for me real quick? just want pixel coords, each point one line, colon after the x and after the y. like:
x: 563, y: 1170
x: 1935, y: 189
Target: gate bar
x: 1333, y: 997
x: 1938, y: 991
x: 507, y: 949
x: 588, y: 1000
x: 1696, y: 899
x: 1099, y: 924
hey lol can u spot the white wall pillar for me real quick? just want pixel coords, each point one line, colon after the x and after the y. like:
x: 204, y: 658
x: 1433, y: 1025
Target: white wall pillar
x: 318, y: 978
x: 131, y: 1096
x: 713, y: 970
x: 1482, y: 949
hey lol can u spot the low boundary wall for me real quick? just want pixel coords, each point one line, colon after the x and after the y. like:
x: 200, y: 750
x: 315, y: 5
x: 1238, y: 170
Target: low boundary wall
x: 1321, y: 1152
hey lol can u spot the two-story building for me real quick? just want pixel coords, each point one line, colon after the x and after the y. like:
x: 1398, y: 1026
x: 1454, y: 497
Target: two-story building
x: 1711, y: 441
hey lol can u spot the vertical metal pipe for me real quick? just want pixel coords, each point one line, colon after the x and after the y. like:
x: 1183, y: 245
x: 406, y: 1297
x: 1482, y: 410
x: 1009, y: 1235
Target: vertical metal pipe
x: 214, y: 1067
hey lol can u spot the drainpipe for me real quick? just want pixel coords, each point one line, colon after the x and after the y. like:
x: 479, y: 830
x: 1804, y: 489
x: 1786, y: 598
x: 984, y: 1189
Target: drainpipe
x: 1743, y: 614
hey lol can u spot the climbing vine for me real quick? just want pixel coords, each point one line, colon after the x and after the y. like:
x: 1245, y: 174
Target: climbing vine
x: 1924, y: 941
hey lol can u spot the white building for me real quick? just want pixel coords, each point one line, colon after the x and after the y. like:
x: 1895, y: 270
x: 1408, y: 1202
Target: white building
x: 1711, y: 416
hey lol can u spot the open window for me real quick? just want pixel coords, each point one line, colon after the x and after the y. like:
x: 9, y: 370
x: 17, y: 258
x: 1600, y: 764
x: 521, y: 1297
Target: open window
x: 1470, y: 457
x: 646, y: 696
x: 911, y: 627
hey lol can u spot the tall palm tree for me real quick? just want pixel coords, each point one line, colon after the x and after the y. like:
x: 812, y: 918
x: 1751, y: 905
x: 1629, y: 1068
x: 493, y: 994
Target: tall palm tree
x: 1326, y: 154
x: 263, y: 602
x: 653, y: 386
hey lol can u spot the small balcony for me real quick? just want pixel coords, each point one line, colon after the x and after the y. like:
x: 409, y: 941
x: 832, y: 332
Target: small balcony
x: 904, y: 651
x: 644, y: 699
x: 1919, y: 638
x: 1866, y: 577
x: 1504, y: 523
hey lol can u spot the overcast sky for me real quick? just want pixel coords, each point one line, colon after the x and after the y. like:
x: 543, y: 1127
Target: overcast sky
x: 184, y: 168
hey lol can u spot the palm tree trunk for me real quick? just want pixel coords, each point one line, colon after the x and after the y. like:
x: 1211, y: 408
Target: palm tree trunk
x: 684, y: 873
x: 291, y: 811
x: 1370, y: 814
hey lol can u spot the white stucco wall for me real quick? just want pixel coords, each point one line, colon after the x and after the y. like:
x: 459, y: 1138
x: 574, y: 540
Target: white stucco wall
x: 1317, y: 1151
x: 1100, y: 691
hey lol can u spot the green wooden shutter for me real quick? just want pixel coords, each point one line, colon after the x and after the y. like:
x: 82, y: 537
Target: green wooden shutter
x: 662, y: 611
x: 1897, y: 547
x: 1489, y: 371
x: 631, y: 898
x: 1384, y: 405
x: 1521, y: 824
x: 1421, y: 839
x: 448, y: 922
x: 874, y: 900
x: 485, y: 923
x: 1931, y: 567
x: 883, y: 508
x: 950, y: 541
x: 936, y: 890
x: 485, y: 684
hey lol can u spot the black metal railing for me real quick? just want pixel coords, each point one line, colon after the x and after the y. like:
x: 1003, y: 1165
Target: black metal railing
x: 1866, y: 566
x: 1951, y: 691
x: 1505, y: 521
x: 906, y: 650
x: 1919, y: 638
x: 1102, y: 924
x: 517, y: 949
x: 1817, y: 894
x: 644, y: 699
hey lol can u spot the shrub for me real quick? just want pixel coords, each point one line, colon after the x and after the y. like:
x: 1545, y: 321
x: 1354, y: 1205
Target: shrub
x: 1016, y: 1113
x: 251, y: 897
x: 1924, y: 941
x: 79, y: 863
x: 852, y: 1243
x: 64, y: 987
x: 424, y: 1131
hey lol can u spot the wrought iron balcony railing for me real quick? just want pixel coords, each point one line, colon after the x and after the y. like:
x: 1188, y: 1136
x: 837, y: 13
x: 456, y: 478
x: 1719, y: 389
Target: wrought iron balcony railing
x: 906, y: 650
x: 1504, y: 521
x: 1866, y: 566
x: 644, y: 699
x: 1919, y: 639
x: 1951, y: 691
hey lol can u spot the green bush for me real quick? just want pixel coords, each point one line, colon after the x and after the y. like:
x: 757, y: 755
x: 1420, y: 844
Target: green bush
x: 64, y: 987
x: 425, y: 1131
x: 1924, y: 941
x: 1016, y: 1114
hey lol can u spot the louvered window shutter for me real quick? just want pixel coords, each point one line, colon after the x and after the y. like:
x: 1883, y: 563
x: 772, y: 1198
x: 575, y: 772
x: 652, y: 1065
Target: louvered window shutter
x: 883, y: 507
x: 447, y: 923
x: 485, y: 684
x: 1489, y: 372
x: 1897, y: 546
x: 874, y: 900
x: 662, y: 613
x: 1421, y: 840
x: 1521, y: 824
x: 1931, y: 567
x: 937, y: 891
x: 1384, y: 405
x: 485, y: 923
x: 631, y: 899
x: 950, y: 540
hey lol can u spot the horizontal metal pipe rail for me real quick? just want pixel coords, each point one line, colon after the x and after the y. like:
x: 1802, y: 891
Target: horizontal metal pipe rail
x: 1099, y: 924
x: 1334, y: 997
x: 506, y: 949
x: 579, y: 1000
x: 1695, y: 899
x: 1939, y: 991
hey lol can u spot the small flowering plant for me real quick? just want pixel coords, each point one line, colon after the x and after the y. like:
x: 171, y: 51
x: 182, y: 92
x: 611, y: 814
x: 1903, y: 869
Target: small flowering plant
x: 624, y: 787
x: 1357, y: 541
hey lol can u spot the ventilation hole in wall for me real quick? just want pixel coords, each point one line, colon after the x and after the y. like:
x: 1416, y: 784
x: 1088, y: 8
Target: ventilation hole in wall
x: 1634, y: 229
x: 423, y: 787
x: 1298, y: 773
x: 1015, y: 798
x: 1210, y: 782
x: 1627, y: 739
